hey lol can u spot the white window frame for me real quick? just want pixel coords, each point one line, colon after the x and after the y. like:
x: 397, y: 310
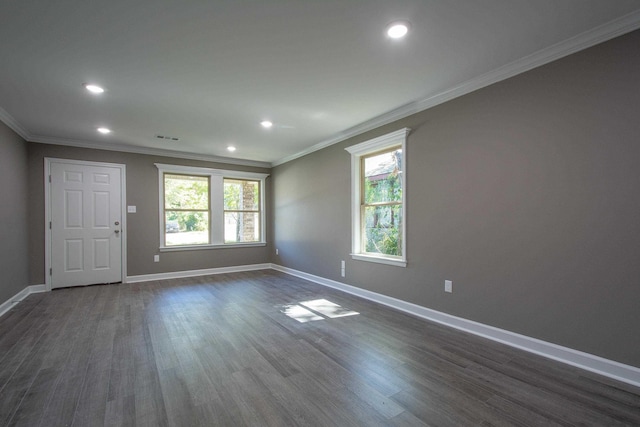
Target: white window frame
x: 243, y: 211
x: 216, y: 205
x: 393, y: 139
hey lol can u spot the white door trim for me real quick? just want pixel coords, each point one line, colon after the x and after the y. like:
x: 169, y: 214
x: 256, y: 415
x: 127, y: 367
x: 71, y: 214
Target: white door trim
x: 47, y: 212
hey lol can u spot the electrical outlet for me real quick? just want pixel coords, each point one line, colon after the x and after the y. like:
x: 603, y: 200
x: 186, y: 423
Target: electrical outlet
x: 342, y: 268
x: 277, y: 252
x: 156, y: 258
x: 448, y: 286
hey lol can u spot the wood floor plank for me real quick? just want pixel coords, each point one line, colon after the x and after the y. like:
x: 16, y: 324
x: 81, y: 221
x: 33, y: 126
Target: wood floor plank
x: 80, y: 336
x: 406, y: 419
x: 22, y: 374
x: 92, y: 402
x: 218, y: 350
x: 28, y: 413
x: 14, y: 327
x: 556, y: 406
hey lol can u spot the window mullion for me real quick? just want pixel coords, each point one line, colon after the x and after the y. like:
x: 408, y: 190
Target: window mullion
x: 217, y: 210
x: 377, y: 204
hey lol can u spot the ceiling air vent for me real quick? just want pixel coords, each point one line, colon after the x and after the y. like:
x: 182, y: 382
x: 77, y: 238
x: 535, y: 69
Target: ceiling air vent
x: 169, y: 138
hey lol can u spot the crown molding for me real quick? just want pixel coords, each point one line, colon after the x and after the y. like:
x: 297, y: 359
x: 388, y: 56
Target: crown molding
x: 13, y: 124
x: 597, y: 35
x: 147, y: 150
x: 600, y: 34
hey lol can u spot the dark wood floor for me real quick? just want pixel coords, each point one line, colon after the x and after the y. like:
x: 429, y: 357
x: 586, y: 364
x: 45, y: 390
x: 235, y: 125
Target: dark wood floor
x: 219, y: 350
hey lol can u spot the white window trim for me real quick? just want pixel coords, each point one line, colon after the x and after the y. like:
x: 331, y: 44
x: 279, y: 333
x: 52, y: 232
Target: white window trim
x: 357, y: 151
x: 216, y: 205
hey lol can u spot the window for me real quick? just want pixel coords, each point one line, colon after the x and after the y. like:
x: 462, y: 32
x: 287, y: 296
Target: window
x: 378, y: 199
x: 241, y: 211
x: 209, y: 208
x: 381, y: 202
x: 186, y: 209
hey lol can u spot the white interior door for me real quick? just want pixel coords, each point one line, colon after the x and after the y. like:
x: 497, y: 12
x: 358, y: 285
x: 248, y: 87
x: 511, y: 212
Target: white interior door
x: 86, y: 224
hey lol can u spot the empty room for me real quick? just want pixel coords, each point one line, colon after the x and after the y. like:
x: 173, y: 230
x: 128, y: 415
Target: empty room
x: 320, y: 213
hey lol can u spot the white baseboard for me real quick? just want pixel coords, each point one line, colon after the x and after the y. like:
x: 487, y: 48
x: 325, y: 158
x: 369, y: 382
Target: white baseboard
x: 8, y: 304
x: 609, y: 368
x: 194, y: 273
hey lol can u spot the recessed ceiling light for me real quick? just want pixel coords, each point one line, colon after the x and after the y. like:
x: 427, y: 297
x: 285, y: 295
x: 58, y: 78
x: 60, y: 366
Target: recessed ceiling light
x: 104, y: 130
x: 94, y: 88
x: 397, y: 30
x: 266, y: 124
x: 231, y: 148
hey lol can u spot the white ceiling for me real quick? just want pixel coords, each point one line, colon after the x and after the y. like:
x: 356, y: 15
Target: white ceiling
x: 209, y: 71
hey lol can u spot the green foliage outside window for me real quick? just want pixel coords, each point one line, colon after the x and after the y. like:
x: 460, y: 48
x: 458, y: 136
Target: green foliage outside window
x: 382, y: 204
x: 187, y: 201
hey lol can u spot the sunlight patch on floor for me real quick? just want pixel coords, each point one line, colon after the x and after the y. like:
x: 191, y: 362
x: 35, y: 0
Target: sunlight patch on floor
x: 319, y: 309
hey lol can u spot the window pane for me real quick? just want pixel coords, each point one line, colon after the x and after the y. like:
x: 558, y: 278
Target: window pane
x: 186, y: 192
x: 241, y: 227
x: 241, y: 195
x: 383, y: 177
x: 186, y: 228
x: 382, y: 229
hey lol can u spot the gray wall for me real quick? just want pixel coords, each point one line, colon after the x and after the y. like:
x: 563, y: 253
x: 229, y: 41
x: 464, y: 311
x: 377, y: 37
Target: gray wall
x: 526, y: 194
x: 142, y: 227
x: 14, y: 254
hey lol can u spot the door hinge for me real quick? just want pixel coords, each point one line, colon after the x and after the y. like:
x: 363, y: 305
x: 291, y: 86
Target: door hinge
x: 51, y: 272
x: 49, y: 225
x: 49, y: 178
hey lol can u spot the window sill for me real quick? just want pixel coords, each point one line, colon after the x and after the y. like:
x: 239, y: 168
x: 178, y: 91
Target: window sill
x: 380, y: 260
x: 204, y: 247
